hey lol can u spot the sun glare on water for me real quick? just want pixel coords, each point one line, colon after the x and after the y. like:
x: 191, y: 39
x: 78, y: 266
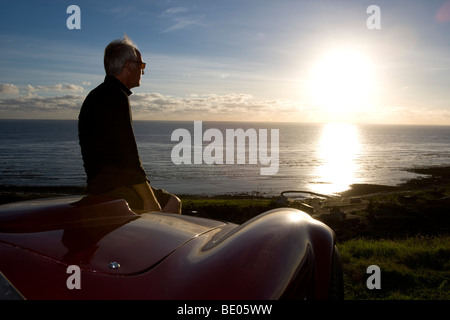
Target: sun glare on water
x: 342, y: 84
x: 338, y: 151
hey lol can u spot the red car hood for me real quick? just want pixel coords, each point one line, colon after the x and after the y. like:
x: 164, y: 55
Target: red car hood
x: 95, y: 235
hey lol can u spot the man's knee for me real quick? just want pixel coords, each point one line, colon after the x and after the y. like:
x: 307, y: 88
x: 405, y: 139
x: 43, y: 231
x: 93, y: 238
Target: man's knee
x: 174, y: 205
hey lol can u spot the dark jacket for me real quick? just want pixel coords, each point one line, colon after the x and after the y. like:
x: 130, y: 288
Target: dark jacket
x: 106, y: 138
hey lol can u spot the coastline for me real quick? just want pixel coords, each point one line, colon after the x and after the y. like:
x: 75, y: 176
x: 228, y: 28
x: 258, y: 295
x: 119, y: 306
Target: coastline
x: 436, y: 177
x: 350, y: 213
x: 417, y: 206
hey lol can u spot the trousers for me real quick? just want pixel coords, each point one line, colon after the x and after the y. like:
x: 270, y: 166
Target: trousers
x: 134, y: 200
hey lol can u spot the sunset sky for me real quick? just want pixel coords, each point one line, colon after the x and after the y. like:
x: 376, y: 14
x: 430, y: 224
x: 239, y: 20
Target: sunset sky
x: 246, y: 60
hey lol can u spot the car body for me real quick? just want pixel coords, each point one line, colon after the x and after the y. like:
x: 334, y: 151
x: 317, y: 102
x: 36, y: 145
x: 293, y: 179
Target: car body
x: 97, y: 248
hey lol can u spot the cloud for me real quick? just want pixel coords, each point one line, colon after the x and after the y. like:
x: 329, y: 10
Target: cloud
x: 207, y: 107
x: 181, y: 19
x: 8, y: 88
x: 232, y: 107
x: 60, y: 87
x: 34, y: 103
x: 174, y: 11
x: 62, y: 100
x: 150, y: 106
x: 182, y: 23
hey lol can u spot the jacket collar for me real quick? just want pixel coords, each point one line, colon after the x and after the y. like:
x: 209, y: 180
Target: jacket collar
x: 116, y: 82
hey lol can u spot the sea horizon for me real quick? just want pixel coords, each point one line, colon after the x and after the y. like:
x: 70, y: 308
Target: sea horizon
x: 249, y: 121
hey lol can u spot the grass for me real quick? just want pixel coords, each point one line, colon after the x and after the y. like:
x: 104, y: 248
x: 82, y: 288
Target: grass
x: 413, y: 268
x: 234, y: 209
x: 408, y: 237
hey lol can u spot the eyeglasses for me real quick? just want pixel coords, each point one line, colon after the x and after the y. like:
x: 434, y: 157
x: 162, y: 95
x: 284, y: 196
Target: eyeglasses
x: 141, y: 64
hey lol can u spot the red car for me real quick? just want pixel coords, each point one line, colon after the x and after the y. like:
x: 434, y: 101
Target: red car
x: 94, y: 248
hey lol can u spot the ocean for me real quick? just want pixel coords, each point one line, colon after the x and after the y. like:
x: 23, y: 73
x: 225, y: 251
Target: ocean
x: 321, y: 158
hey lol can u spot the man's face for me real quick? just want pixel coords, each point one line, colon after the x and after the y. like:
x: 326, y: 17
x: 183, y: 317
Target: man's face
x: 136, y: 71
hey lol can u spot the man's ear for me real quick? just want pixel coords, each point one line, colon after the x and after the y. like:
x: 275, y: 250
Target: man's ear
x: 127, y: 67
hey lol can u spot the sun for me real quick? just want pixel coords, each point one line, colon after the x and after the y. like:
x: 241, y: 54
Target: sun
x: 342, y: 83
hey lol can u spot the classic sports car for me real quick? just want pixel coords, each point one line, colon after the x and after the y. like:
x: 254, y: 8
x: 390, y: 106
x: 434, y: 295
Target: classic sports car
x: 94, y: 248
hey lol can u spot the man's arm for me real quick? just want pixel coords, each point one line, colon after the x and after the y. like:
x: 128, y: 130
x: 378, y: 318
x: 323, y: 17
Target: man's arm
x: 146, y: 193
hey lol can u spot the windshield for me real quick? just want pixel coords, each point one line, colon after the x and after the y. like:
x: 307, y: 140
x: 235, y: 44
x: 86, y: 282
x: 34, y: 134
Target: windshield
x: 7, y: 290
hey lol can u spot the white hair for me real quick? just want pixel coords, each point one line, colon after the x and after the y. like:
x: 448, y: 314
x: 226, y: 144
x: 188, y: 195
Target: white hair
x: 117, y: 53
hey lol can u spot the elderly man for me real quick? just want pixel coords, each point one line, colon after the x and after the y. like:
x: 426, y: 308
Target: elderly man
x: 106, y: 137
